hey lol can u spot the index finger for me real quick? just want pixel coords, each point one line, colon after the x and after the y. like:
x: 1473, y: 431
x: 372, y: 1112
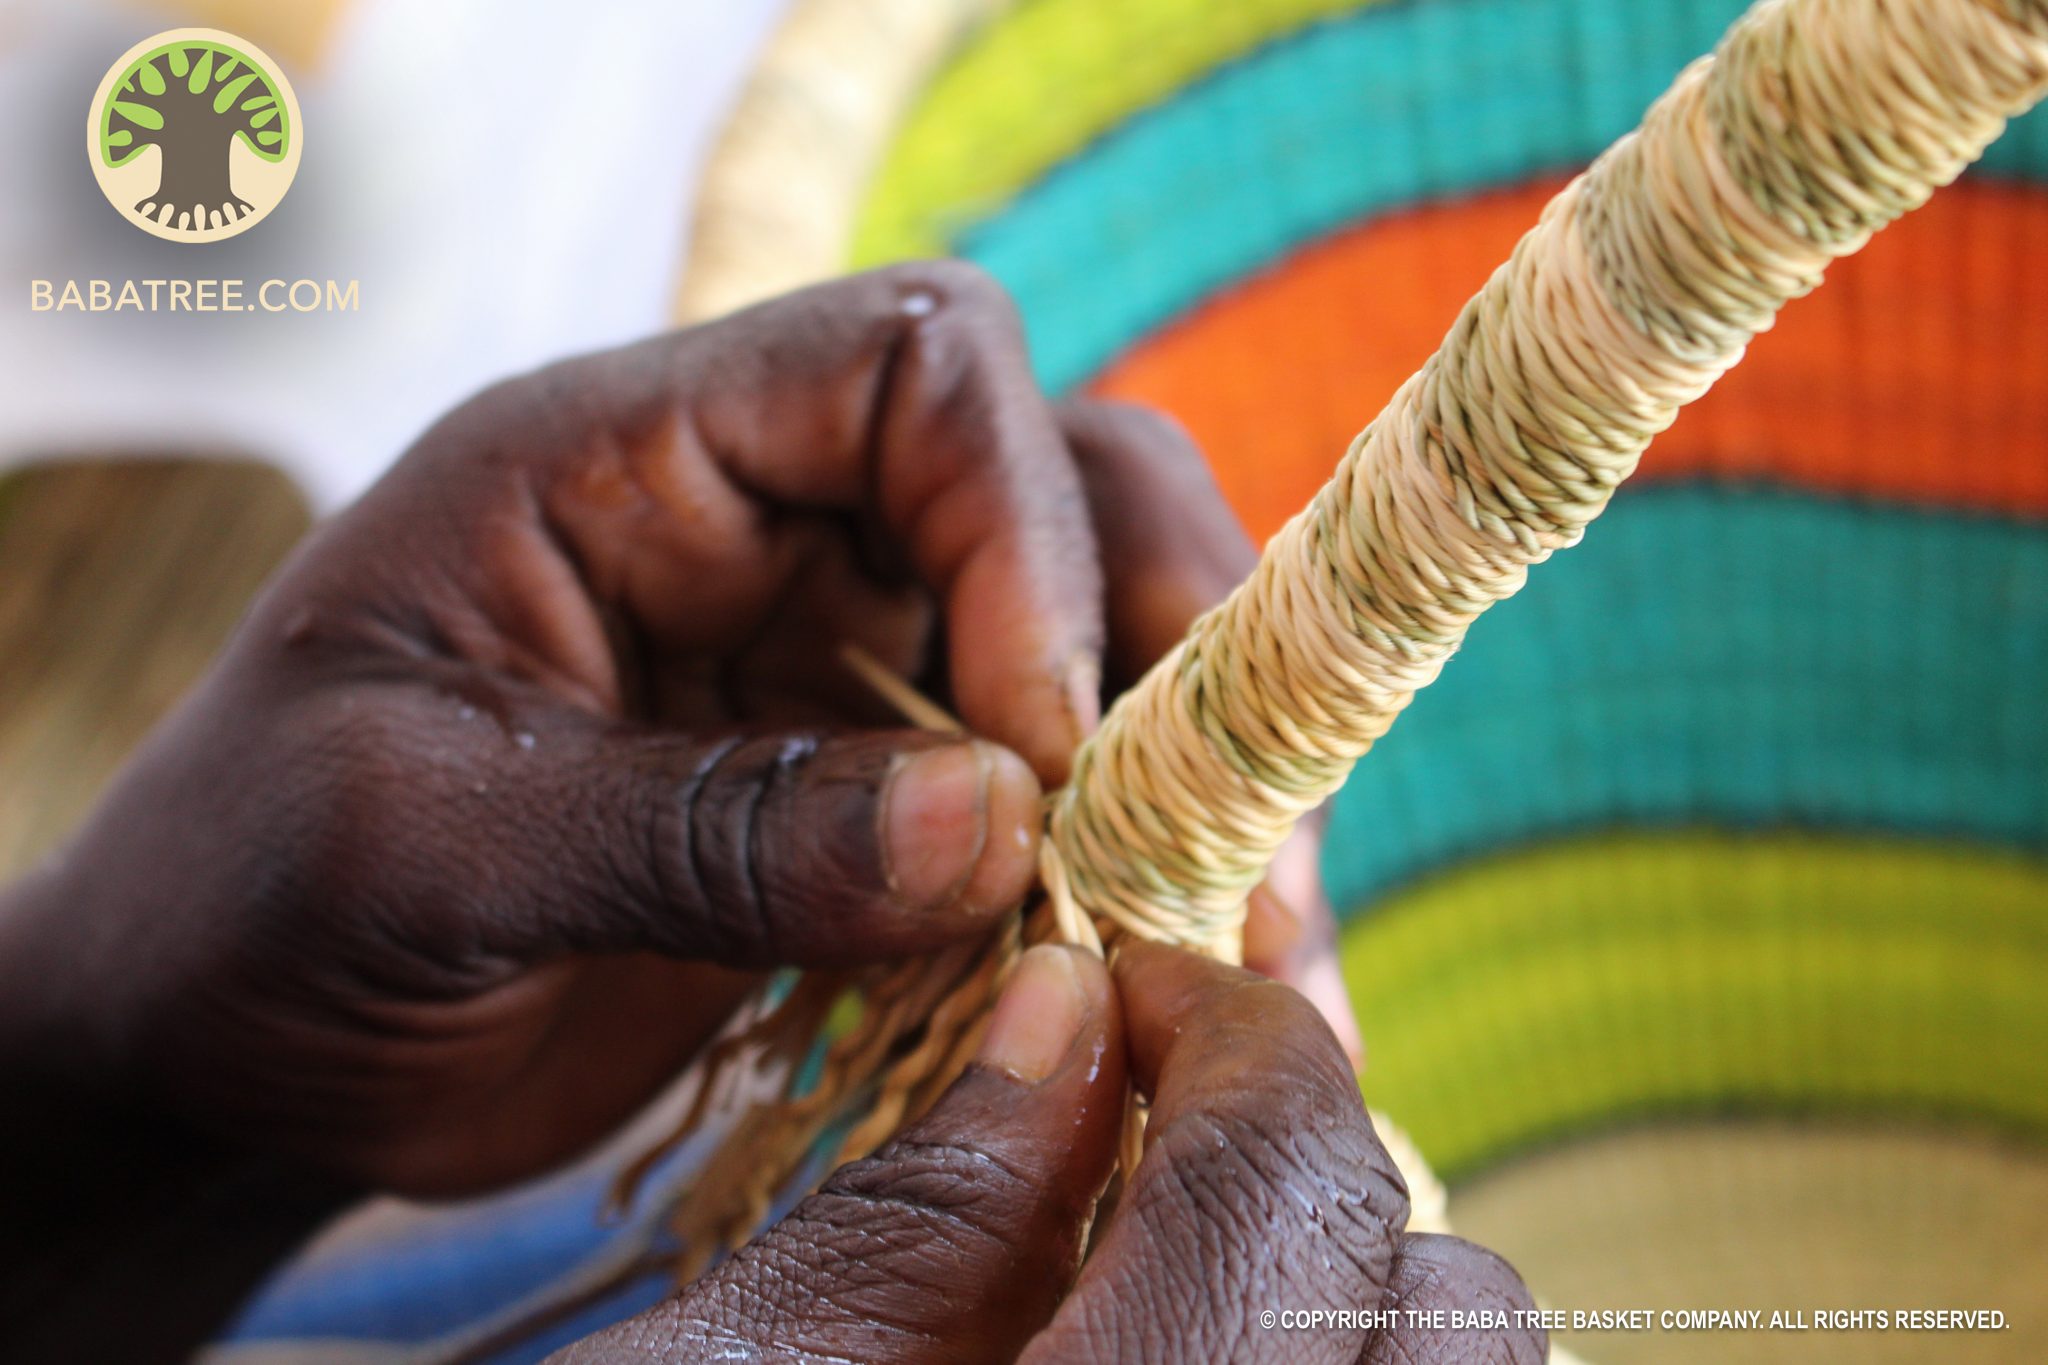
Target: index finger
x: 1219, y: 1044
x: 1171, y: 547
x: 906, y: 394
x: 1262, y: 1183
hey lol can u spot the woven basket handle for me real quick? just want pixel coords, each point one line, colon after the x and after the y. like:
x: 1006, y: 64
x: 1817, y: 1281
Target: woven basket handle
x: 1814, y: 124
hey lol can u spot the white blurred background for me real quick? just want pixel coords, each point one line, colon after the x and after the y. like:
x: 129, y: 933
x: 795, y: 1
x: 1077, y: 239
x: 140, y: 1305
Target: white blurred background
x: 487, y: 170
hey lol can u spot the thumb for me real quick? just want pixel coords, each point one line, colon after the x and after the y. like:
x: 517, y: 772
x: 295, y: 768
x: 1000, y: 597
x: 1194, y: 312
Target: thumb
x: 799, y: 848
x: 953, y: 1243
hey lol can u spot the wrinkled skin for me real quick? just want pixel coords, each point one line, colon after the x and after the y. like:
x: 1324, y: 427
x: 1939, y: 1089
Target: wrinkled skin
x: 525, y: 767
x: 526, y: 763
x: 1262, y: 1187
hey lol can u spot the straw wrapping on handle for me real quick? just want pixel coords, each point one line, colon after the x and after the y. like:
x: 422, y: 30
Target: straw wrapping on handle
x: 1817, y: 122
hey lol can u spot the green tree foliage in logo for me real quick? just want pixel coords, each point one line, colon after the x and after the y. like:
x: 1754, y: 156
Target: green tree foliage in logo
x: 191, y: 100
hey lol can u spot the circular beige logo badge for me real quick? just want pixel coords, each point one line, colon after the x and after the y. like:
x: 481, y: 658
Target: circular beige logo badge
x: 194, y: 135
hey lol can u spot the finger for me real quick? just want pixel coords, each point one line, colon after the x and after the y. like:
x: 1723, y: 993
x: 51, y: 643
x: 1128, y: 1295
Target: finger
x: 953, y: 1243
x: 1437, y: 1276
x: 1273, y: 930
x: 1318, y: 975
x: 803, y: 849
x: 1299, y: 949
x: 905, y: 393
x: 555, y: 834
x: 1261, y: 1184
x: 1171, y: 547
x: 1291, y: 936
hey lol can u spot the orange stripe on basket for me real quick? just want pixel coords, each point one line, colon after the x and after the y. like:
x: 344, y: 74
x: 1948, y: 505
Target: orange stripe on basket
x: 1920, y: 374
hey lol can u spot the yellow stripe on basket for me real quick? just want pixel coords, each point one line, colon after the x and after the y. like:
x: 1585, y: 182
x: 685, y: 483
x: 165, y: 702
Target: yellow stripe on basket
x: 1560, y: 988
x: 1081, y: 67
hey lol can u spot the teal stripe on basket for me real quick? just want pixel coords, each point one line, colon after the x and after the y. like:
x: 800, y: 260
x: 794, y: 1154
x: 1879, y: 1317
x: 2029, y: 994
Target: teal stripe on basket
x: 1355, y: 117
x: 1732, y: 658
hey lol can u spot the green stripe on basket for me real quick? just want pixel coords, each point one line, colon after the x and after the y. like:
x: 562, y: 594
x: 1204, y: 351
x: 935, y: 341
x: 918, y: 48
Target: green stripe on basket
x: 1383, y: 108
x: 1078, y: 68
x: 1531, y: 995
x: 1730, y: 657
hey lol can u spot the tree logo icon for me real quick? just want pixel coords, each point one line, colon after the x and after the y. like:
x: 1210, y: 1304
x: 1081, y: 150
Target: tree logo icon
x: 194, y: 135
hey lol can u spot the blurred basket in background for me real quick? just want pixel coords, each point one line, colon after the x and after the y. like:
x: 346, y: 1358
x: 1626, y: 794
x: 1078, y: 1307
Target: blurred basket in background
x: 1717, y: 863
x: 120, y: 578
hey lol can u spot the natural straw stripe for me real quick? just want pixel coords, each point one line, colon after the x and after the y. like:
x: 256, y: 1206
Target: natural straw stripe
x: 778, y: 199
x: 1817, y: 122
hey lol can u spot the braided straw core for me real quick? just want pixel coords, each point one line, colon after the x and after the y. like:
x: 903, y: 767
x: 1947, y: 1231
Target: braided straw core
x: 1817, y: 122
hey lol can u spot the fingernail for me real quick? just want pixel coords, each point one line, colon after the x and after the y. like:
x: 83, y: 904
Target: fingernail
x: 960, y: 827
x: 1037, y: 1017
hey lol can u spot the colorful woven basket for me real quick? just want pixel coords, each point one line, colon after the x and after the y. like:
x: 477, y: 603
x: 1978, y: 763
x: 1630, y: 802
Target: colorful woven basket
x: 1741, y: 808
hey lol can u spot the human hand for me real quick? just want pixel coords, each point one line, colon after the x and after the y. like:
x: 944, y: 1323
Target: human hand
x: 526, y: 765
x: 1262, y: 1188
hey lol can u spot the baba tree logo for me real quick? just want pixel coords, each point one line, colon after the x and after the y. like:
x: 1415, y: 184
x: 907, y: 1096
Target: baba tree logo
x: 194, y: 135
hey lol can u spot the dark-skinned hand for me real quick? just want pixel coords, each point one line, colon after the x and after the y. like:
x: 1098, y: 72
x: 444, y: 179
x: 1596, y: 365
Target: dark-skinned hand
x: 1262, y: 1188
x: 524, y: 767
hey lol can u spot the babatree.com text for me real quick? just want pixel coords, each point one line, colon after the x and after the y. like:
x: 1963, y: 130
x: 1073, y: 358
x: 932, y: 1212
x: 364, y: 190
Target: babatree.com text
x: 194, y: 296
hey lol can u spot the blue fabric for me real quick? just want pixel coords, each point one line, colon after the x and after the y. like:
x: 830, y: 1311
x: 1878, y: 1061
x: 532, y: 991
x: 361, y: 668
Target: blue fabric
x: 434, y: 1278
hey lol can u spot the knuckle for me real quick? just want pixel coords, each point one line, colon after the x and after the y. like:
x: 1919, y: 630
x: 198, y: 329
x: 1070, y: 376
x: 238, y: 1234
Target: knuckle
x: 1270, y: 1169
x: 506, y: 419
x: 356, y: 756
x: 768, y: 852
x: 367, y: 837
x: 953, y: 1190
x: 706, y: 839
x: 961, y: 323
x: 1136, y: 431
x: 962, y: 283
